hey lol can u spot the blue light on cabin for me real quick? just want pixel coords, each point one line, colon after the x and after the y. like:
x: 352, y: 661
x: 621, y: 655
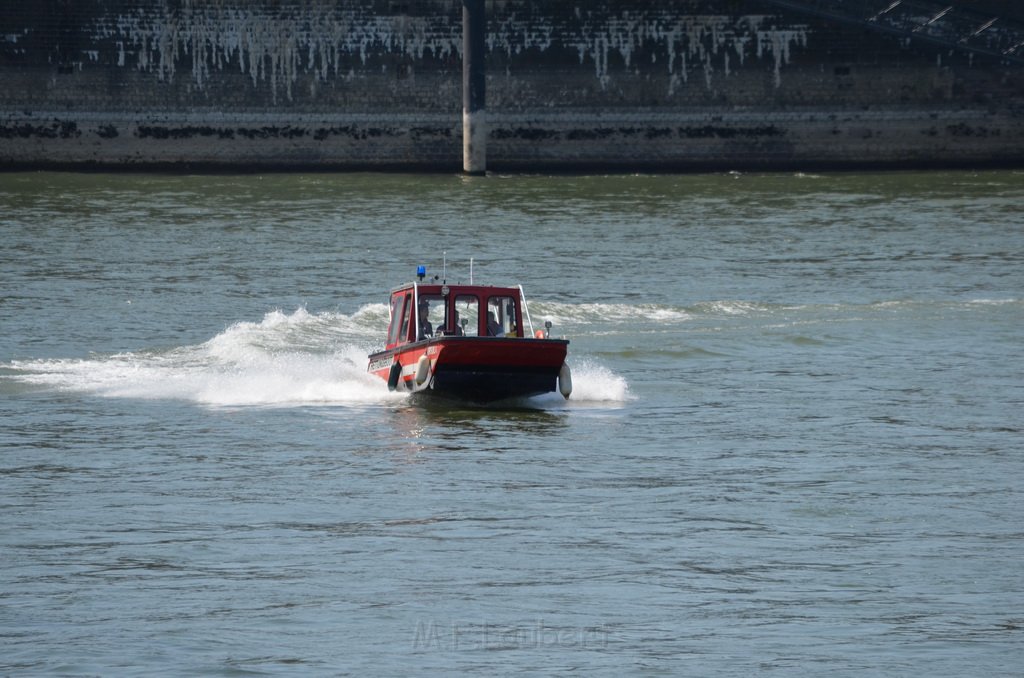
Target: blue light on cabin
x: 421, y: 271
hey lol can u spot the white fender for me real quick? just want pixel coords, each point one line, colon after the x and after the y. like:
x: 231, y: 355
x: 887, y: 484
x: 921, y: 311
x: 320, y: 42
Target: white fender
x: 565, y: 381
x: 422, y: 370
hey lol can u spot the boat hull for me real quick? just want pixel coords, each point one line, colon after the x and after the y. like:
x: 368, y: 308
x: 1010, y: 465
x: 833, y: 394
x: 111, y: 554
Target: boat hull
x: 476, y: 369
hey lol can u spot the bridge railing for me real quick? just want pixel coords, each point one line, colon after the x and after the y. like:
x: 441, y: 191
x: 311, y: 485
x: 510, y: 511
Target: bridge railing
x: 941, y: 23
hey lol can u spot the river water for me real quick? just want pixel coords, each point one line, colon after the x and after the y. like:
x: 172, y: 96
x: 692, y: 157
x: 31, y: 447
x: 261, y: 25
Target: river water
x: 795, y: 444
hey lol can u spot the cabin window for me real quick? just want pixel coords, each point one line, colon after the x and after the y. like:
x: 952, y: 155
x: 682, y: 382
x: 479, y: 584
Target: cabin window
x: 396, y: 318
x: 501, y: 317
x: 403, y: 335
x: 467, y: 315
x: 433, y: 309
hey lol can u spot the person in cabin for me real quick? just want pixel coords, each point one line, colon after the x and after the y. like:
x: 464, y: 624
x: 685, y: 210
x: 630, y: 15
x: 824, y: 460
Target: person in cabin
x: 426, y: 329
x: 493, y: 328
x: 455, y: 331
x: 510, y: 313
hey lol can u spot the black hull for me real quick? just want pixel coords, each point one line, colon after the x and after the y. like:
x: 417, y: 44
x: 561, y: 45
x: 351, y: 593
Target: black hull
x: 484, y: 384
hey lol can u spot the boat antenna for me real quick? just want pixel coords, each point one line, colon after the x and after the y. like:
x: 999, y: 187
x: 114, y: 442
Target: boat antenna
x: 471, y: 270
x: 444, y: 267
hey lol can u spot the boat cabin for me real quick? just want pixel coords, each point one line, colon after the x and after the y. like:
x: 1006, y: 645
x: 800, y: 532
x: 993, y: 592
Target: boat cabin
x: 420, y: 312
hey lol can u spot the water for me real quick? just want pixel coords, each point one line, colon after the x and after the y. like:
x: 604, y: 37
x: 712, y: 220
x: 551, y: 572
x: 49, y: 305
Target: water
x: 794, y: 447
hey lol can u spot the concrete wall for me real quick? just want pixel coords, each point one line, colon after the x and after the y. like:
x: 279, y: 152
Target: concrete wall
x: 630, y: 84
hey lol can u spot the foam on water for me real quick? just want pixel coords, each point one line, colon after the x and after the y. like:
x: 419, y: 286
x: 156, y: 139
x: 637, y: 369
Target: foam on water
x: 567, y: 314
x: 286, y: 359
x: 274, y: 379
x: 303, y: 358
x: 594, y: 383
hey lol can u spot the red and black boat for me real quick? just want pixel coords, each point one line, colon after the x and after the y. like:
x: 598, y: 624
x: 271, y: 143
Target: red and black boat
x: 468, y: 342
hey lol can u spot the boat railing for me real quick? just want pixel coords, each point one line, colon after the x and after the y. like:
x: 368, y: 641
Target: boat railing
x: 416, y: 309
x: 526, y: 309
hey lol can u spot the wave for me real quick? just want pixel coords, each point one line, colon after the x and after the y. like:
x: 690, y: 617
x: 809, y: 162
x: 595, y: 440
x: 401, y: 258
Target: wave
x: 303, y: 358
x: 566, y: 314
x: 283, y: 360
x: 299, y: 330
x: 592, y: 384
x: 289, y: 378
x: 570, y: 318
x: 994, y: 302
x: 580, y: 316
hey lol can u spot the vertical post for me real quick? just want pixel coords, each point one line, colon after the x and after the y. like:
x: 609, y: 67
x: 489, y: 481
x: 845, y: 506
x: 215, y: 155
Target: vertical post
x: 474, y: 122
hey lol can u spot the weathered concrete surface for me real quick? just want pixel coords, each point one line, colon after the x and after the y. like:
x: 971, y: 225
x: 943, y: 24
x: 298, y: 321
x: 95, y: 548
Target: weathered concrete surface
x: 377, y: 84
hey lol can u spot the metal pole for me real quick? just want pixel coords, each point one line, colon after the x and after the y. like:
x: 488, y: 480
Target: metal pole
x: 474, y: 121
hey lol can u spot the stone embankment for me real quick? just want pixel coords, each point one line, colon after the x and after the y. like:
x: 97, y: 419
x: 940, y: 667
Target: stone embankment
x: 617, y: 84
